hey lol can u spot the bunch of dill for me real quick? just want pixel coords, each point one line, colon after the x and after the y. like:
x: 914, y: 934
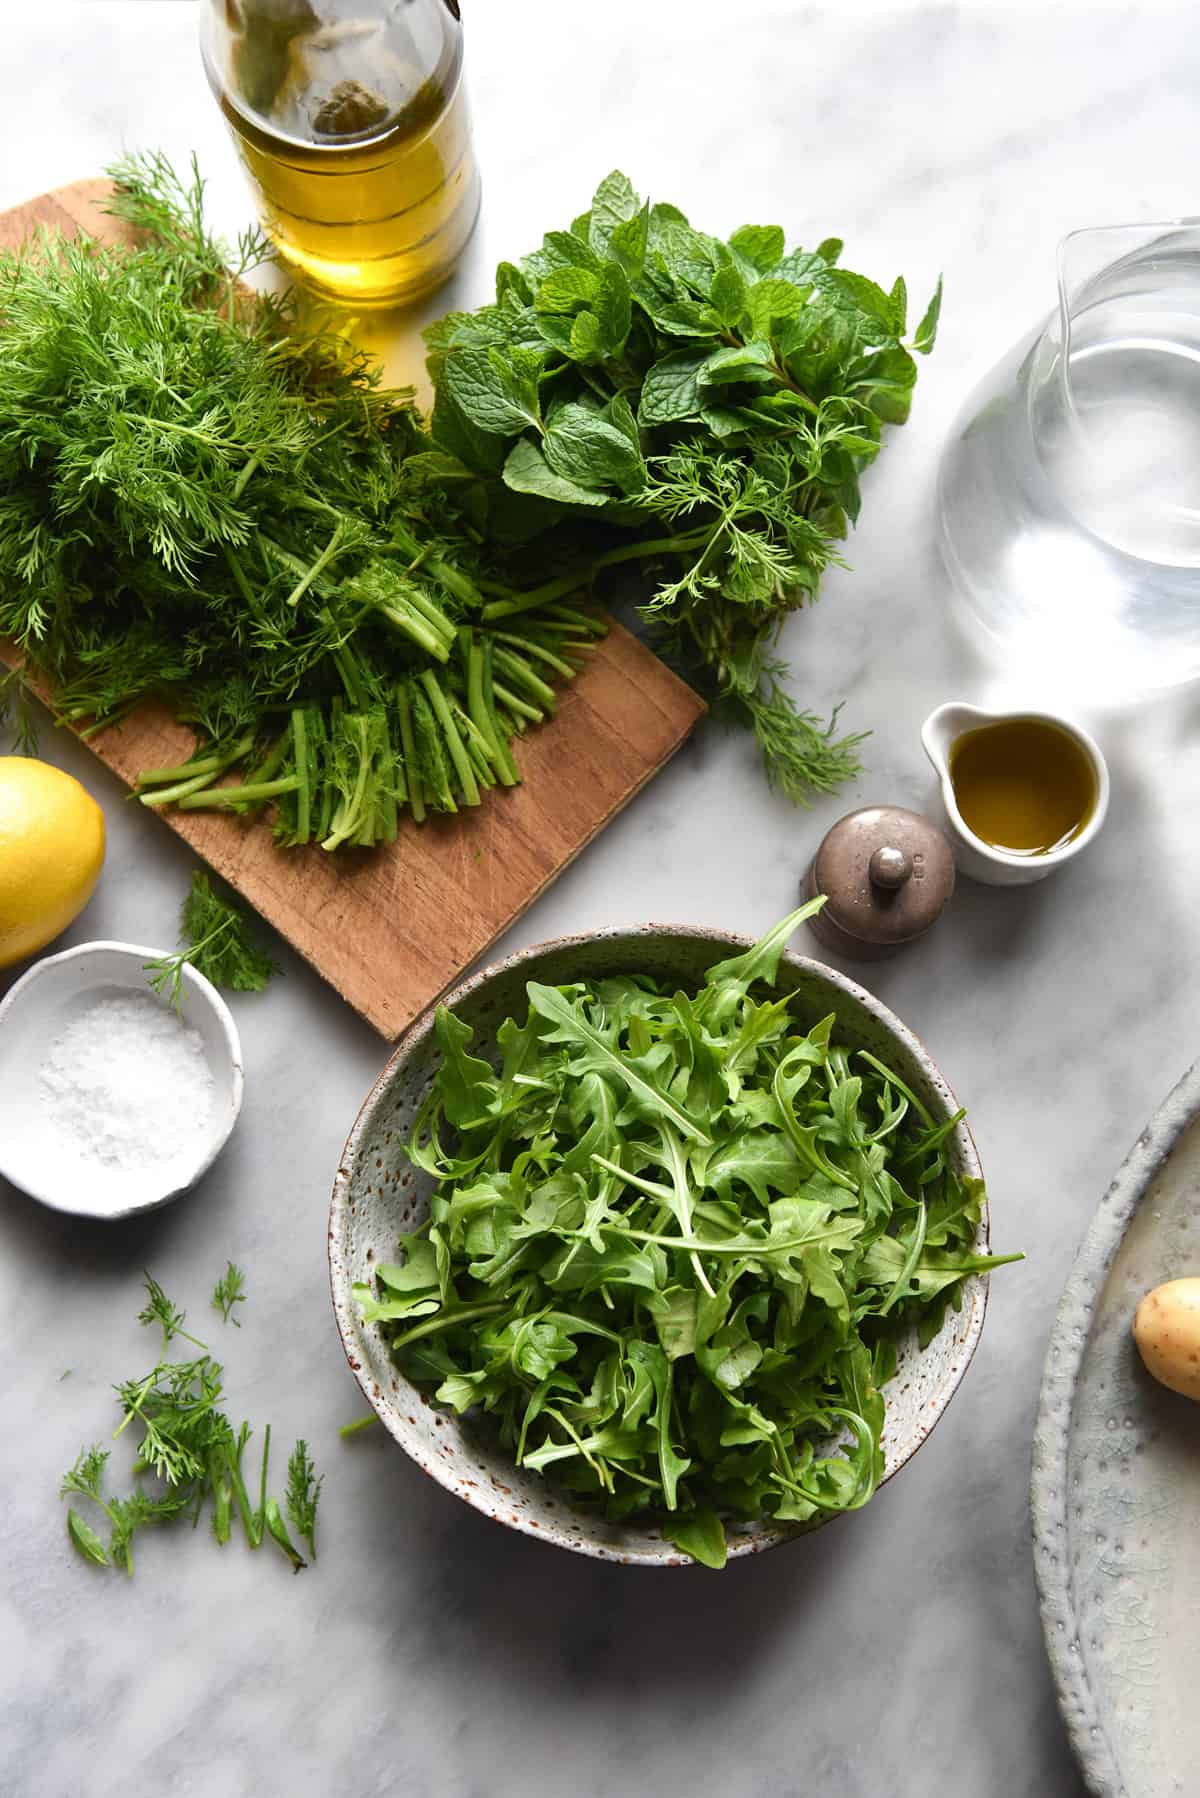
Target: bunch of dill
x: 205, y: 500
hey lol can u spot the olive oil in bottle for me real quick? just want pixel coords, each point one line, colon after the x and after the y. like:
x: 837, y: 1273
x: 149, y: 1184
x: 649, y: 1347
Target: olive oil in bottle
x: 351, y: 119
x: 1022, y: 785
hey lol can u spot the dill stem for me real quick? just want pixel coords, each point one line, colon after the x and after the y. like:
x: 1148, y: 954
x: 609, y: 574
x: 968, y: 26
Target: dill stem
x: 187, y: 788
x: 454, y: 743
x: 243, y: 480
x: 360, y: 1423
x: 520, y: 708
x: 524, y: 676
x: 209, y: 764
x: 408, y: 751
x: 245, y: 794
x: 416, y: 628
x: 538, y: 650
x: 570, y: 583
x: 260, y: 1516
x: 315, y: 568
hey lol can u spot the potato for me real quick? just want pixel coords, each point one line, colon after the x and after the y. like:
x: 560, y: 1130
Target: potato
x: 1166, y: 1328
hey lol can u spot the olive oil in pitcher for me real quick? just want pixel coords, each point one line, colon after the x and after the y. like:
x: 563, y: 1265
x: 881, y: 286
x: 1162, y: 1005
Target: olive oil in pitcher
x: 351, y: 118
x: 1022, y: 785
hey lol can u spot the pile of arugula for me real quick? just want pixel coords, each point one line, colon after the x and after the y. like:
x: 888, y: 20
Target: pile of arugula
x: 673, y: 1245
x: 646, y: 393
x: 190, y: 1447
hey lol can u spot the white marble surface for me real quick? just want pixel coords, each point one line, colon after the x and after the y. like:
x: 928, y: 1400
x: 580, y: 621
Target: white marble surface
x: 431, y: 1653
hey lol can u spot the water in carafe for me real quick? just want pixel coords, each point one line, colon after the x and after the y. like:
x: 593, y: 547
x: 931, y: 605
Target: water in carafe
x: 1069, y: 493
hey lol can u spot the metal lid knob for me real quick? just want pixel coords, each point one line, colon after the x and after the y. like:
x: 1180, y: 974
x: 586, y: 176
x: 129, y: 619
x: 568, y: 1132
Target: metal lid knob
x: 887, y: 874
x: 890, y: 867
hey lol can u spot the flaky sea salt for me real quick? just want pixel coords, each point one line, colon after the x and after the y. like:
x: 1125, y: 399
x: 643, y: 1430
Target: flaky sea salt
x: 128, y: 1085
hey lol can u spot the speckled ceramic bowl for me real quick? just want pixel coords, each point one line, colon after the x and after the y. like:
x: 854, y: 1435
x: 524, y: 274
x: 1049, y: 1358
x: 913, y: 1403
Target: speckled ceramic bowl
x: 377, y: 1194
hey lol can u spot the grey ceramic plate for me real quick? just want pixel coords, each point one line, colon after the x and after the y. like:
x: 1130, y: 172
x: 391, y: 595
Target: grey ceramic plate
x: 1116, y: 1483
x: 377, y: 1195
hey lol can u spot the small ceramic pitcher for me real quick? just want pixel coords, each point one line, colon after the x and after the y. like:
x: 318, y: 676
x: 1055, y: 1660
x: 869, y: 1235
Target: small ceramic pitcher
x: 983, y: 861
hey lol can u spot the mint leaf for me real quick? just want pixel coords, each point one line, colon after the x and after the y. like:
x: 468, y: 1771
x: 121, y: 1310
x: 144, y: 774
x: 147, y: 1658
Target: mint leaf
x: 587, y: 337
x: 757, y: 376
x: 899, y: 300
x: 866, y: 300
x: 884, y: 382
x: 753, y: 362
x: 729, y: 296
x: 925, y: 335
x: 565, y: 288
x: 688, y: 255
x: 760, y: 245
x: 527, y: 471
x: 612, y: 308
x: 671, y: 389
x: 803, y: 268
x: 613, y: 202
x: 582, y: 446
x: 559, y: 250
x: 770, y: 303
x: 679, y: 318
x: 628, y: 243
x: 493, y: 393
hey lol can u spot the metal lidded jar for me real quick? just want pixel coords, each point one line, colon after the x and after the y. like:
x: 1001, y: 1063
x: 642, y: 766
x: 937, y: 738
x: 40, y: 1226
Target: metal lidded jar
x: 887, y: 874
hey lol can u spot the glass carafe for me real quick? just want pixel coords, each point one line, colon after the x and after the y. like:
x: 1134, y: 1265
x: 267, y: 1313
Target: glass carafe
x: 1069, y: 492
x: 351, y: 119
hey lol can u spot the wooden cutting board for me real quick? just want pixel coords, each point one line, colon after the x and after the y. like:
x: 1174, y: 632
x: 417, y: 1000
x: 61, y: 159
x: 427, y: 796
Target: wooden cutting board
x: 392, y: 928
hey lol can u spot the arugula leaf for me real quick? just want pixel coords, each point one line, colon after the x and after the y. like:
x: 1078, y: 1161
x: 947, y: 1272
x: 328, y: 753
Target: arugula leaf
x: 86, y: 1540
x: 700, y: 1534
x: 570, y: 1026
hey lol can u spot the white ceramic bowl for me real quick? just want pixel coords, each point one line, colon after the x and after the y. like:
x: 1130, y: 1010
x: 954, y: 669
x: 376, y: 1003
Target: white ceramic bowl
x: 33, y: 1154
x: 377, y: 1194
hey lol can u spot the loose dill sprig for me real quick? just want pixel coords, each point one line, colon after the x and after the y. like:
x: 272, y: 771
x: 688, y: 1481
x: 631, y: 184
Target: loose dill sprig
x: 218, y: 944
x: 159, y: 1309
x: 188, y: 1445
x: 230, y: 1290
x: 303, y: 1494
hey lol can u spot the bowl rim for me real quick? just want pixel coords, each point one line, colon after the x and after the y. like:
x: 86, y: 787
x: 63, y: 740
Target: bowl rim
x: 1050, y: 1495
x: 348, y: 1323
x: 207, y: 993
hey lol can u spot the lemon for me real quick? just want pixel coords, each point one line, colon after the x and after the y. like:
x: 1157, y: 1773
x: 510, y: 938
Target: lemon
x: 51, y: 853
